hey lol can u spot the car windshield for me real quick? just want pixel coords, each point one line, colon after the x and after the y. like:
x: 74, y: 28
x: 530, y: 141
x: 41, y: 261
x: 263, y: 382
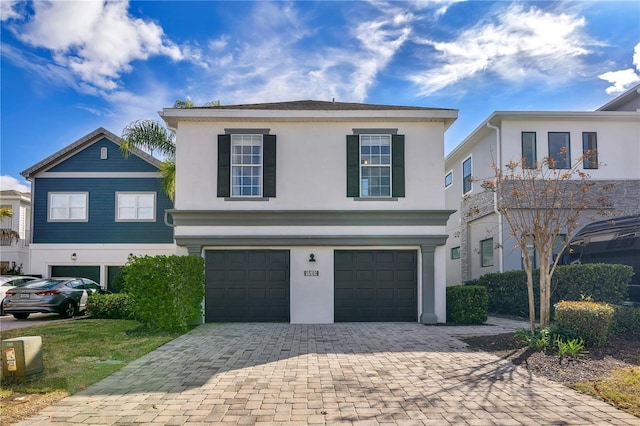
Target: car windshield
x: 42, y: 284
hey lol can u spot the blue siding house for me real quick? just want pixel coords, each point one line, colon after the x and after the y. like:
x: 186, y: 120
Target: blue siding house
x: 92, y: 208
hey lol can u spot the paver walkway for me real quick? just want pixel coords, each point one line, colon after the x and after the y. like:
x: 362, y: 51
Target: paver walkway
x: 350, y: 373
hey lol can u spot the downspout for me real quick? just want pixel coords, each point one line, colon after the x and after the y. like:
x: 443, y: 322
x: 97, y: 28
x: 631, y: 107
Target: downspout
x: 495, y: 198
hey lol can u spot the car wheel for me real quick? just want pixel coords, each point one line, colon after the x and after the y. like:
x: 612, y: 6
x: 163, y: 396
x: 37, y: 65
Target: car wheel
x: 68, y: 310
x: 1, y: 308
x: 21, y: 315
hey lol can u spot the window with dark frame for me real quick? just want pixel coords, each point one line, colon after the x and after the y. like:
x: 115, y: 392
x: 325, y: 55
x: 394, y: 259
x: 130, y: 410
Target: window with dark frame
x: 486, y: 252
x: 529, y: 154
x: 448, y: 179
x: 466, y: 176
x: 559, y: 150
x: 589, y: 150
x: 455, y: 252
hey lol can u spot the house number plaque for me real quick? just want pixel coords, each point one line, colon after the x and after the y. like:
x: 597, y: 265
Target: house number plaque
x: 311, y: 273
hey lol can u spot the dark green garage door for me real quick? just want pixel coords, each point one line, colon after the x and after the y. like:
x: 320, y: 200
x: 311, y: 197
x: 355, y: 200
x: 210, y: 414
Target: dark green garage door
x: 376, y: 285
x: 91, y: 272
x: 247, y: 285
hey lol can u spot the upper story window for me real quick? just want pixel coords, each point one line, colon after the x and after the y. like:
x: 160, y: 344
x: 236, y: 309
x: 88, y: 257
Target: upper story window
x: 375, y: 165
x: 246, y: 164
x: 68, y: 206
x: 529, y: 154
x: 590, y: 150
x: 466, y: 176
x: 559, y: 150
x: 135, y: 206
x: 448, y: 179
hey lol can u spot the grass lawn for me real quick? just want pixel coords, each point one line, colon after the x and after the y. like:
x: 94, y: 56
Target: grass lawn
x: 76, y: 354
x: 621, y: 388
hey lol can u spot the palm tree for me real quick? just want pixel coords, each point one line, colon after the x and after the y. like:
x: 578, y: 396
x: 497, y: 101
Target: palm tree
x: 8, y: 235
x: 150, y: 135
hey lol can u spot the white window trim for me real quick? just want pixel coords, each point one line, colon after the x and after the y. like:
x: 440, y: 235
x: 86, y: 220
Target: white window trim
x: 261, y: 165
x: 86, y: 206
x: 462, y: 173
x: 450, y: 172
x: 390, y: 166
x: 117, y: 209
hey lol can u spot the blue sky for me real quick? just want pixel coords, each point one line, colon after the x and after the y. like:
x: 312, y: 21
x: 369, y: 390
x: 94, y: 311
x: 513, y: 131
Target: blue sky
x: 68, y: 67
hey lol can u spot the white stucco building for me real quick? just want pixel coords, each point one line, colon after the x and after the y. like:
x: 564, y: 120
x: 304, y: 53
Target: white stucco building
x: 14, y: 254
x: 479, y: 243
x: 314, y: 212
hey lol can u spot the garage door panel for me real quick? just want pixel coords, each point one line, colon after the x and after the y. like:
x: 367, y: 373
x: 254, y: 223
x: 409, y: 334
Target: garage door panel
x: 375, y: 285
x: 247, y: 285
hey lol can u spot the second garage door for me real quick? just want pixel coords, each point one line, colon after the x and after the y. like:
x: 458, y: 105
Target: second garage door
x: 376, y: 285
x: 247, y: 285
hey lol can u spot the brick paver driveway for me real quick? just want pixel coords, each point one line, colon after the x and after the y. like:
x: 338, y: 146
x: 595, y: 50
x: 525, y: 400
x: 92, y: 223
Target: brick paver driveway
x: 364, y: 373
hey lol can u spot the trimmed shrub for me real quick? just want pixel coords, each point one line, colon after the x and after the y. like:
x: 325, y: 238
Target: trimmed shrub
x: 590, y: 321
x: 626, y: 319
x: 166, y: 291
x: 109, y: 306
x: 600, y: 282
x: 467, y: 304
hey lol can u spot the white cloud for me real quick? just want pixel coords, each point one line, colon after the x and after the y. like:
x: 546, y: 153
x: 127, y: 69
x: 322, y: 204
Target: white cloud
x: 8, y: 10
x: 96, y: 40
x: 278, y: 64
x: 623, y: 80
x: 8, y: 183
x: 519, y: 45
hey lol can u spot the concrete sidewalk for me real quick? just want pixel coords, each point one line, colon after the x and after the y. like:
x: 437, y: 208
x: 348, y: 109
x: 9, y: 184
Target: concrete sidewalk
x: 349, y: 373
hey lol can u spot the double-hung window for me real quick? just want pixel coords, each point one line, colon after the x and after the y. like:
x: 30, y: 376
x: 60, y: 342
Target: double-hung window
x: 135, y: 206
x: 590, y: 150
x: 559, y: 150
x: 68, y: 206
x: 375, y: 164
x: 247, y: 164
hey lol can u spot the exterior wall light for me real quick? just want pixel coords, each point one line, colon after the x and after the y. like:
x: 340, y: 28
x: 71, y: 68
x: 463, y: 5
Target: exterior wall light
x: 312, y: 257
x: 73, y: 257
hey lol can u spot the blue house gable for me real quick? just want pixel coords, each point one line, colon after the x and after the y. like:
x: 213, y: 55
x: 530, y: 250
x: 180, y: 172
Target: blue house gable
x: 103, y: 156
x: 89, y: 193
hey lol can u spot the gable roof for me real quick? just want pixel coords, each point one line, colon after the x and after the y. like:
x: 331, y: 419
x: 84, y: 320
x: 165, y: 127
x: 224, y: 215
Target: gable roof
x: 12, y: 193
x: 81, y: 144
x: 622, y: 100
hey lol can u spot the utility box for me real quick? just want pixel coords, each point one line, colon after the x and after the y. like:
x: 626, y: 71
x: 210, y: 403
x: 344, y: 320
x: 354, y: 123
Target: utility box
x: 22, y: 358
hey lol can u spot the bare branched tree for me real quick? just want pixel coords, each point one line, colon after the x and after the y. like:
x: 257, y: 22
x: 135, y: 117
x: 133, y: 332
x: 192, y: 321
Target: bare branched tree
x: 542, y: 202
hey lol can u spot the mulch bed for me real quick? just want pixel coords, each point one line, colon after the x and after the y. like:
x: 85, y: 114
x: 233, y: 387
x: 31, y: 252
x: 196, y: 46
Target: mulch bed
x: 620, y: 351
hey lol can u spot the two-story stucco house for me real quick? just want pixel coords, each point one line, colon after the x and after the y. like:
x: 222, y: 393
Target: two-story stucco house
x: 15, y: 254
x: 314, y: 212
x: 92, y: 208
x: 479, y: 240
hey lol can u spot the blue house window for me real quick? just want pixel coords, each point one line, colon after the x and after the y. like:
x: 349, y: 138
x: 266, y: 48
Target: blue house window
x: 68, y: 206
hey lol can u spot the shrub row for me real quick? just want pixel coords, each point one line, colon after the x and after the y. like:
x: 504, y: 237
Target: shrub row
x: 110, y: 306
x: 591, y: 321
x: 601, y: 282
x: 467, y: 304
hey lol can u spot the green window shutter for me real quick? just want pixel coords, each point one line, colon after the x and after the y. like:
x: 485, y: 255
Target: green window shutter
x: 224, y: 165
x: 397, y: 165
x: 269, y: 166
x: 353, y: 166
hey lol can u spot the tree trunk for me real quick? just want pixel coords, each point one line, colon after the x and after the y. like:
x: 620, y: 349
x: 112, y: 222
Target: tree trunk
x: 545, y: 294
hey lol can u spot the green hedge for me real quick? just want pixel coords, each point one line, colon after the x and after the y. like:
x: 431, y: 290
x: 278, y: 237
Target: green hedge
x: 166, y: 291
x: 467, y: 304
x: 601, y: 282
x: 627, y: 319
x: 590, y: 321
x: 109, y: 306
